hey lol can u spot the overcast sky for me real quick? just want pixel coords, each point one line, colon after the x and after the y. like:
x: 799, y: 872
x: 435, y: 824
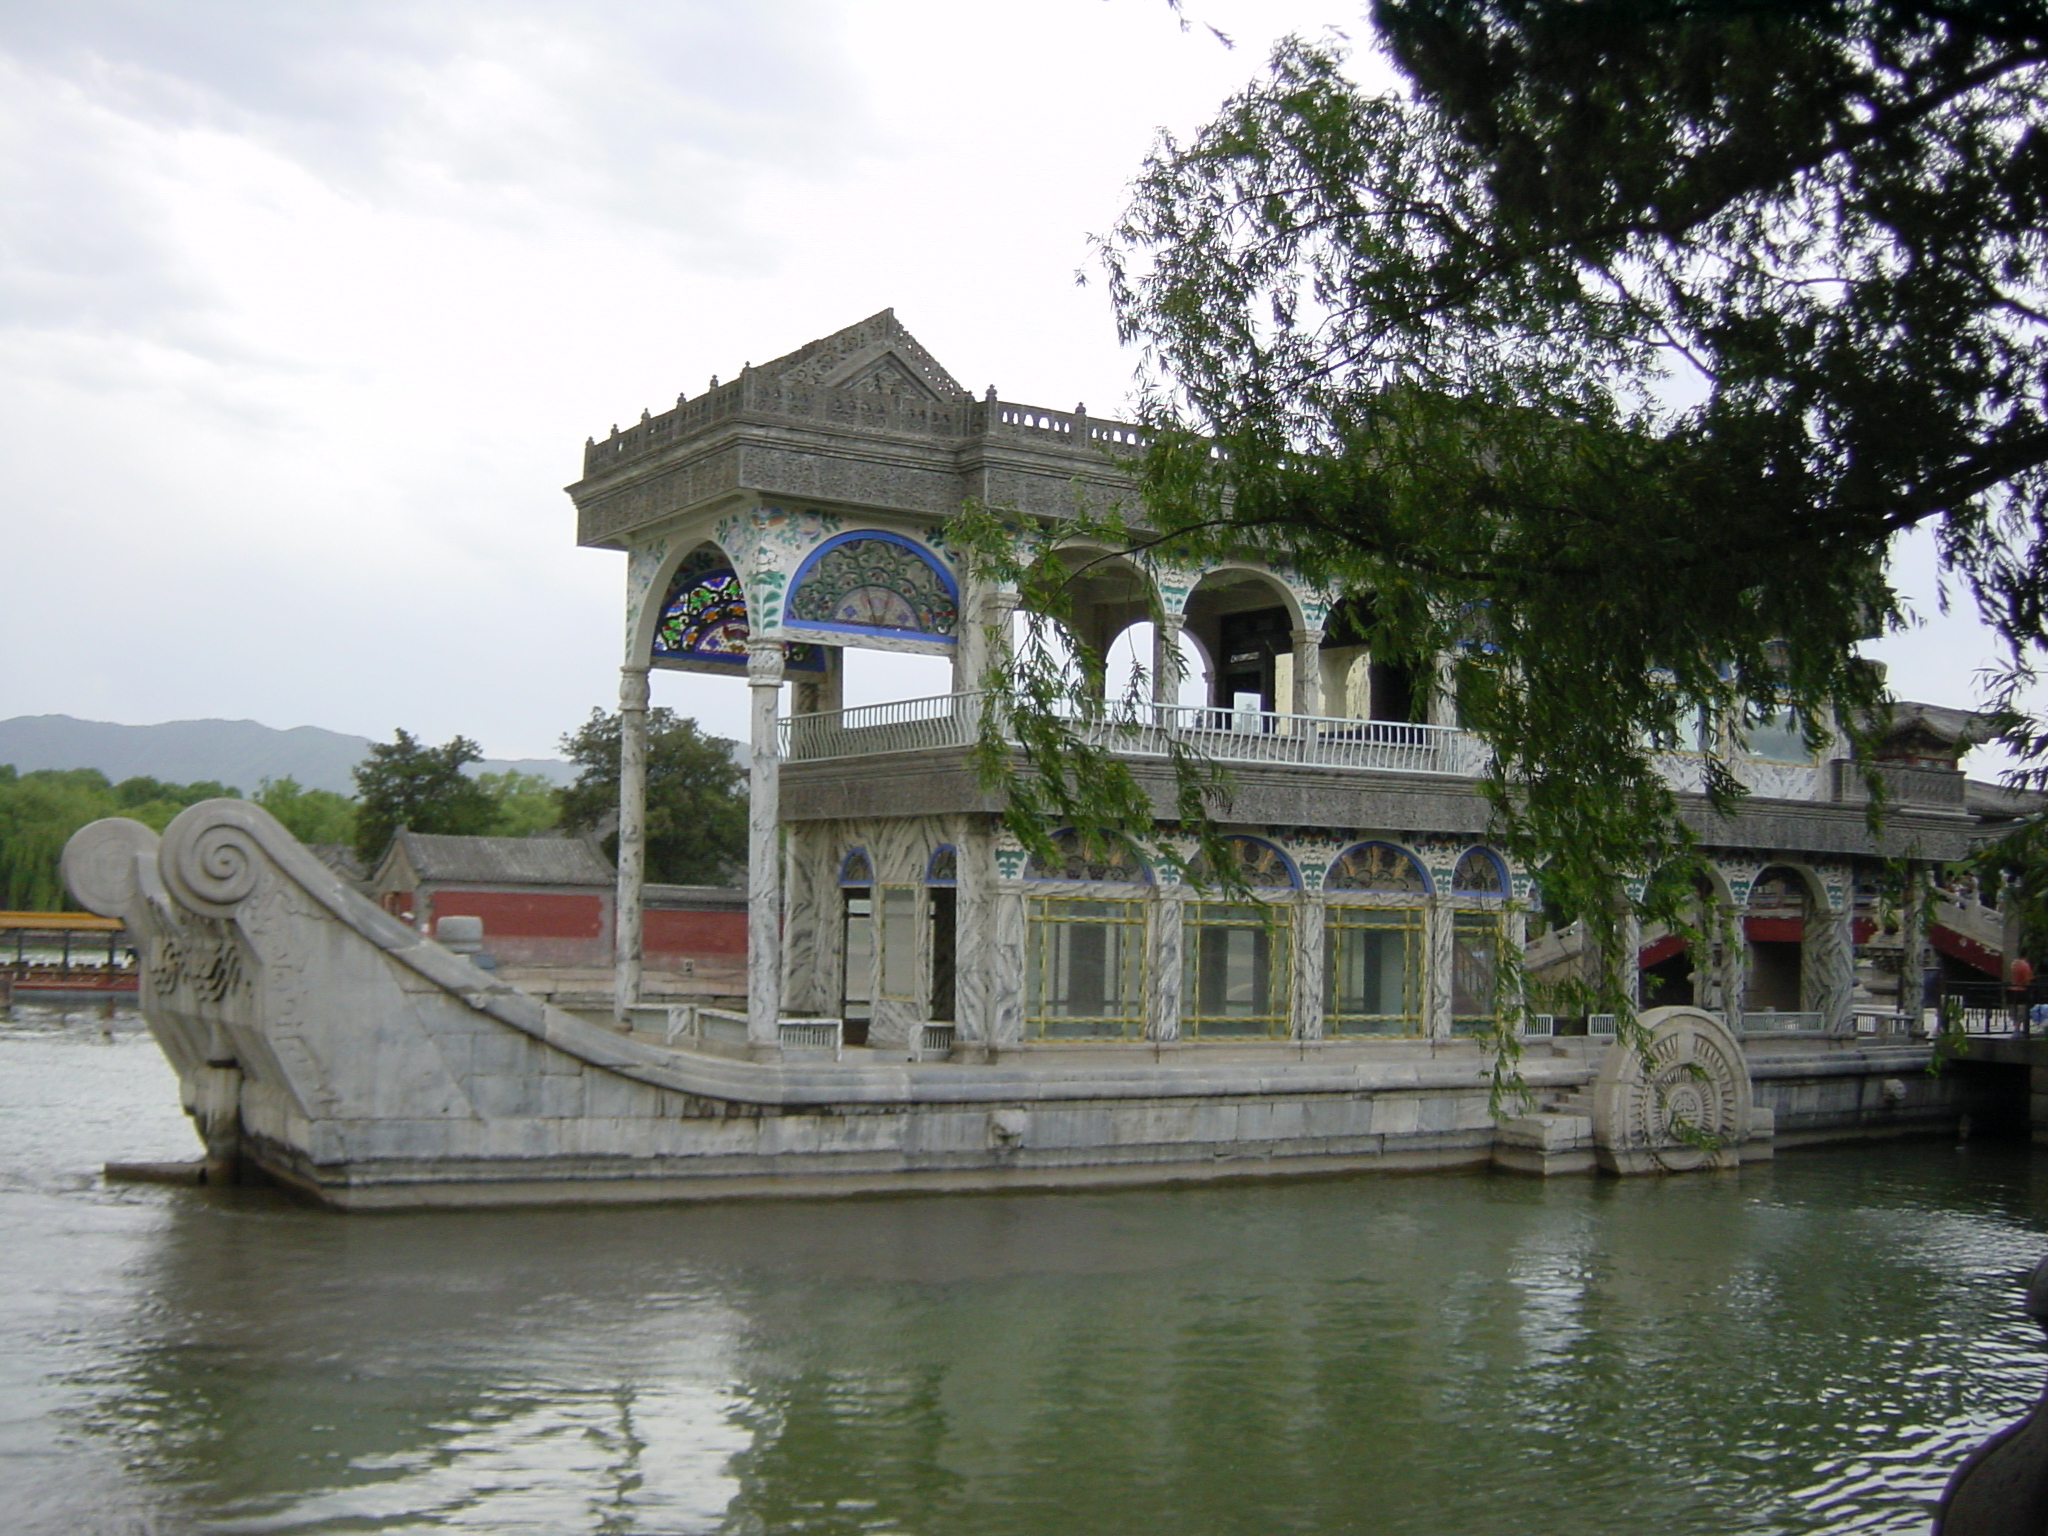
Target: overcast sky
x: 306, y: 309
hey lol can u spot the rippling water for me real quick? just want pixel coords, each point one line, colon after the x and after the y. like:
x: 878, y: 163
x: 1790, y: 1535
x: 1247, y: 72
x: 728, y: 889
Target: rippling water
x: 1809, y: 1347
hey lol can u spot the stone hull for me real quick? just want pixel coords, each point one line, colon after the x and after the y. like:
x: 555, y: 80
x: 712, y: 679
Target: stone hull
x: 322, y: 1043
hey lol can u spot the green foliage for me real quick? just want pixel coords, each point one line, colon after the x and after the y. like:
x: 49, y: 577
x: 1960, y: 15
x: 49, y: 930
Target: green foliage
x: 527, y: 803
x: 40, y: 810
x: 696, y: 800
x: 406, y: 784
x: 310, y: 815
x: 1418, y: 348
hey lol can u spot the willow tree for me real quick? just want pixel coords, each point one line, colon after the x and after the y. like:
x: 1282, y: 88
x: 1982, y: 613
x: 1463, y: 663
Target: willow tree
x: 1609, y: 354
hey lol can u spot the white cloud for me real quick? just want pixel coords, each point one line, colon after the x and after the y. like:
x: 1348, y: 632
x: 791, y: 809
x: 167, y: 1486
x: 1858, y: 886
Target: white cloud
x: 306, y: 309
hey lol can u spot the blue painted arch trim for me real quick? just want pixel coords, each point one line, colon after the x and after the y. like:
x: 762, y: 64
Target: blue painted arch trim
x: 1500, y: 870
x: 810, y: 562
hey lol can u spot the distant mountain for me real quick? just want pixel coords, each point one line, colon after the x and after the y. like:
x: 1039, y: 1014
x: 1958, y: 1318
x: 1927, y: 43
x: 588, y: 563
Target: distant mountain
x: 237, y: 752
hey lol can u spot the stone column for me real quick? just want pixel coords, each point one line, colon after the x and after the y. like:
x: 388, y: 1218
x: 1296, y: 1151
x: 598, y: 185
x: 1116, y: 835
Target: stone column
x: 1514, y: 940
x: 1306, y: 1008
x: 804, y: 902
x: 1828, y: 979
x: 1005, y: 960
x: 1628, y: 954
x: 632, y: 842
x: 1164, y: 963
x: 1439, y: 948
x: 764, y: 863
x: 1308, y: 672
x: 1166, y: 660
x: 1913, y: 945
x: 974, y: 942
x: 1167, y: 668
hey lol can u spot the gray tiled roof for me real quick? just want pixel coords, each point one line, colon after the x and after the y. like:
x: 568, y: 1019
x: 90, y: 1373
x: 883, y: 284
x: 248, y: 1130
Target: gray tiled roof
x: 506, y: 860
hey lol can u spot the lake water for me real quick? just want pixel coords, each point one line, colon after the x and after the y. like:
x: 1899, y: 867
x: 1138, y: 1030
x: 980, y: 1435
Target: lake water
x: 1809, y: 1346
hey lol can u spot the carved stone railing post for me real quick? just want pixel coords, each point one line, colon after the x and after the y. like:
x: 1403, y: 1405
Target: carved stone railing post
x: 2001, y: 1489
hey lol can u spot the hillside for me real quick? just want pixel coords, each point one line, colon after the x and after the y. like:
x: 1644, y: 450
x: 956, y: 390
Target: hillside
x: 238, y: 752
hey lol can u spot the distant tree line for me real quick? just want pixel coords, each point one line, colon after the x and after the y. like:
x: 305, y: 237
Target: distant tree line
x: 697, y: 818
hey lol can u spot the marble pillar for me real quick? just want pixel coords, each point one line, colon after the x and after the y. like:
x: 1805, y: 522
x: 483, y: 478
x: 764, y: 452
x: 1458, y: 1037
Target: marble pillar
x: 1440, y: 947
x: 764, y: 853
x: 1005, y: 960
x: 1308, y: 672
x: 974, y: 1012
x: 1163, y: 968
x: 632, y: 843
x: 1306, y: 1006
x: 1827, y: 972
x: 1916, y: 953
x: 802, y: 901
x: 1167, y: 665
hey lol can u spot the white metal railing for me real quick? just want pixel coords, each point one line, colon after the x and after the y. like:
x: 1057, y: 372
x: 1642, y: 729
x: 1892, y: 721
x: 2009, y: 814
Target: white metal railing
x: 1601, y: 1026
x: 903, y: 725
x: 1223, y: 735
x: 1539, y: 1026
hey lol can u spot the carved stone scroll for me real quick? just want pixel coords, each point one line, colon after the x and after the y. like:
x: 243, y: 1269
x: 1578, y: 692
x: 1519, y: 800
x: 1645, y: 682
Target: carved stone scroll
x: 1682, y: 1104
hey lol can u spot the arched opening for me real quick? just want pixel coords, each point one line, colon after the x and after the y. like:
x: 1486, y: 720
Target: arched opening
x: 1361, y: 683
x: 857, y: 950
x: 942, y: 881
x: 1669, y: 962
x: 1131, y: 664
x: 1247, y: 621
x: 1774, y: 933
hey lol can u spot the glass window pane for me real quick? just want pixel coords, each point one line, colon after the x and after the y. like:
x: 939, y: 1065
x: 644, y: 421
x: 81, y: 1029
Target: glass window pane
x: 899, y: 941
x: 1084, y: 971
x: 1778, y: 737
x: 1475, y: 965
x: 1236, y: 971
x: 1373, y: 958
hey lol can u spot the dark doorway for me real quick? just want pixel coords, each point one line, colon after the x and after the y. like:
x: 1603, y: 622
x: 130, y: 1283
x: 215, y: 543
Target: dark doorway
x: 944, y: 918
x: 857, y: 962
x: 1245, y: 678
x: 1669, y: 983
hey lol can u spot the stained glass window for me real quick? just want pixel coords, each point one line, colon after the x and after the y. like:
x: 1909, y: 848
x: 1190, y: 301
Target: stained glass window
x: 855, y: 869
x: 1078, y: 862
x: 944, y: 868
x: 1377, y: 867
x: 874, y: 581
x: 704, y: 619
x: 1263, y: 866
x: 1478, y: 874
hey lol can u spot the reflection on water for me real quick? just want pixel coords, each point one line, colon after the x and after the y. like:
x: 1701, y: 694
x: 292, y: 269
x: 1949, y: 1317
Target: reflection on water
x: 1803, y: 1348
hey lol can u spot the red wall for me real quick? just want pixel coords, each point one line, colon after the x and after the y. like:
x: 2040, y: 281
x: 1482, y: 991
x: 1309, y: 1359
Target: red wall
x: 667, y: 932
x: 526, y: 914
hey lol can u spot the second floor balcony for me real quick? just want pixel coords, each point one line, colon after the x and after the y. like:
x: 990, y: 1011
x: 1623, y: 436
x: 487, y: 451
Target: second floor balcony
x: 957, y: 720
x: 951, y: 723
